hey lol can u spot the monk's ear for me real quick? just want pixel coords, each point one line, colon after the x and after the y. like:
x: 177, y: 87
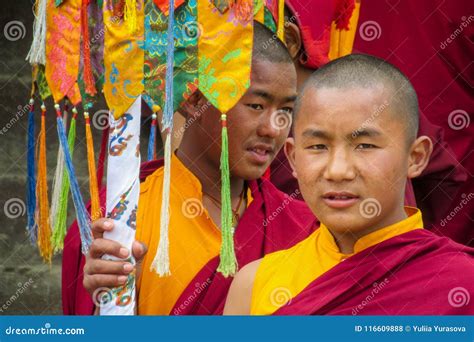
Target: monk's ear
x: 192, y: 107
x: 290, y: 154
x: 419, y: 156
x: 293, y: 39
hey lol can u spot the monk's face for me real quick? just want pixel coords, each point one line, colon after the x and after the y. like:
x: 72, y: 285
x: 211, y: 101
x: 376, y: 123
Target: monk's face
x: 350, y: 155
x: 258, y: 124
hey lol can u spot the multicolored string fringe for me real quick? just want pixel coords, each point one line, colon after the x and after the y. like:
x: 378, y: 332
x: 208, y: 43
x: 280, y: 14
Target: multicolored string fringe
x: 31, y: 180
x: 59, y: 178
x: 82, y: 216
x: 37, y: 53
x: 152, y: 139
x: 44, y: 228
x: 60, y: 227
x: 96, y: 211
x: 161, y: 261
x: 228, y: 260
x: 103, y: 151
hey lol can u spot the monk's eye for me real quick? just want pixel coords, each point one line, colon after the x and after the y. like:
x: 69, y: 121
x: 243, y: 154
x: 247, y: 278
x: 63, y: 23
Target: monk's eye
x: 287, y: 110
x: 255, y: 106
x: 365, y: 146
x: 317, y: 147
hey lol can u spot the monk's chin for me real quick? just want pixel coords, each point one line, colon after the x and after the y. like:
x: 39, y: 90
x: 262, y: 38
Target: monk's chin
x: 250, y: 172
x: 341, y: 219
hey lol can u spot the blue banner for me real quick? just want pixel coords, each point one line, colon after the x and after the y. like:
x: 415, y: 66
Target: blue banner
x: 206, y: 328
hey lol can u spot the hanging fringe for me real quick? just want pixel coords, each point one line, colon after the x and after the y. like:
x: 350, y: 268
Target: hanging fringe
x: 37, y: 53
x: 82, y: 216
x: 96, y: 211
x: 59, y: 177
x: 31, y: 180
x: 103, y: 150
x: 151, y: 139
x: 44, y: 228
x: 86, y: 50
x: 59, y: 232
x: 281, y: 20
x: 130, y: 15
x: 161, y: 261
x: 228, y: 262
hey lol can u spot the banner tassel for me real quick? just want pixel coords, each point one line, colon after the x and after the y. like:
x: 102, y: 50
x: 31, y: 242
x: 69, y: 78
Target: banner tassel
x: 44, y: 228
x: 31, y: 180
x: 58, y: 180
x: 60, y: 227
x: 161, y: 261
x: 82, y: 216
x: 96, y: 211
x: 228, y: 260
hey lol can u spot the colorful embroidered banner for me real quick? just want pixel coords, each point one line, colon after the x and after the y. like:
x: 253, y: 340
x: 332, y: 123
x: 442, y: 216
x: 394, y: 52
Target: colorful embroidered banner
x: 224, y: 69
x: 63, y: 36
x: 123, y: 59
x: 186, y: 33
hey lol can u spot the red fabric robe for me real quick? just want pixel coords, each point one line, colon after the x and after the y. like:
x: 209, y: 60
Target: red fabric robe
x: 416, y: 273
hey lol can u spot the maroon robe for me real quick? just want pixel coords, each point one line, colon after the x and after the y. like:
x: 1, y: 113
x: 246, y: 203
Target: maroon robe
x: 443, y: 79
x: 273, y: 221
x: 415, y: 273
x: 442, y: 73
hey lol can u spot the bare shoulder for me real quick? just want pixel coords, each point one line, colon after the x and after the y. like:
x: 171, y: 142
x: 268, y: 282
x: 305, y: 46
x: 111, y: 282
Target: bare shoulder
x: 240, y: 292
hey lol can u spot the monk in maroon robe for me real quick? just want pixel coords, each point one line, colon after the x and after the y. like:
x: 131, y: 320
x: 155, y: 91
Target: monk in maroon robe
x: 370, y: 255
x: 438, y: 74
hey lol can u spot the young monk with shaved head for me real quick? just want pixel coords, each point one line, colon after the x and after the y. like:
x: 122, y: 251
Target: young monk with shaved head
x: 355, y: 146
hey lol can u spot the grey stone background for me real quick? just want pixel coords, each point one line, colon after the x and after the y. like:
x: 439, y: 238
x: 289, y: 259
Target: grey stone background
x: 27, y: 285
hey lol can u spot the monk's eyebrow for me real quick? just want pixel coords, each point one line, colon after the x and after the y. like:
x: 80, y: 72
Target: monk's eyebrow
x: 315, y: 133
x: 270, y: 97
x: 290, y: 99
x: 263, y: 94
x: 364, y: 132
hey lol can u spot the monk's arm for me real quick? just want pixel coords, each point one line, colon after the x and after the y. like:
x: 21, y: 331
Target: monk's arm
x: 240, y: 292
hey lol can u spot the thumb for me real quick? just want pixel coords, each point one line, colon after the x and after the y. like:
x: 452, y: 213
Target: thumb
x: 139, y: 249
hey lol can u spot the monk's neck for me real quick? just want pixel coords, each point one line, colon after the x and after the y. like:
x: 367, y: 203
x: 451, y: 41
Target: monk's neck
x: 209, y: 175
x: 347, y: 240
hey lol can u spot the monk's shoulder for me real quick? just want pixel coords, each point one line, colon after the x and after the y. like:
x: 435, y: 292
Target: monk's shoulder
x: 446, y: 259
x: 151, y: 173
x: 240, y: 293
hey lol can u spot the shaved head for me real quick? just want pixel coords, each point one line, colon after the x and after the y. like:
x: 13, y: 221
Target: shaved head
x: 365, y: 71
x: 268, y: 47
